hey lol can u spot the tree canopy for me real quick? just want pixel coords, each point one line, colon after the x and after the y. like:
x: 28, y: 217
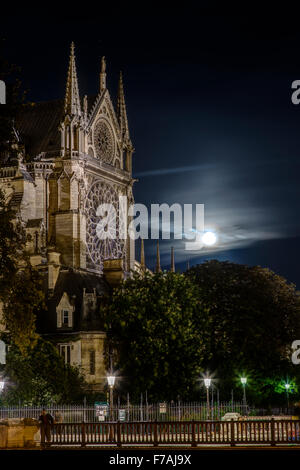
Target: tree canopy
x: 254, y: 318
x: 21, y: 292
x: 41, y: 377
x: 157, y: 324
x: 228, y: 319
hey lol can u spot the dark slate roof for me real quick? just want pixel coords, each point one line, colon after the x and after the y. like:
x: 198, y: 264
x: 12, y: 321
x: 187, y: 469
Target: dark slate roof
x: 38, y: 126
x: 73, y: 282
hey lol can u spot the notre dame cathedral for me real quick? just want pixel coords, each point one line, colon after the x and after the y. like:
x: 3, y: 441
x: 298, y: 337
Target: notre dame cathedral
x: 78, y: 155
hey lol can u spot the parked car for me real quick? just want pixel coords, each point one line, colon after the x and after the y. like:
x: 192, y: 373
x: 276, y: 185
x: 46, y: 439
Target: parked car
x: 230, y: 416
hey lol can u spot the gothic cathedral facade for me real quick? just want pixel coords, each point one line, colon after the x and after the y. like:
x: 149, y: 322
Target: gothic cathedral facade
x: 75, y: 154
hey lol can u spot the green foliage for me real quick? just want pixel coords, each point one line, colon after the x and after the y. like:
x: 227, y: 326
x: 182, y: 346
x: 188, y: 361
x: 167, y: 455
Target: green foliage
x: 23, y: 302
x: 157, y: 323
x: 254, y: 317
x: 11, y: 239
x: 280, y: 388
x: 20, y: 284
x: 232, y: 320
x: 41, y: 377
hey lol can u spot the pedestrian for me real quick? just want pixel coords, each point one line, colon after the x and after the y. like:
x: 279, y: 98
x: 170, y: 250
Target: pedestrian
x: 46, y: 421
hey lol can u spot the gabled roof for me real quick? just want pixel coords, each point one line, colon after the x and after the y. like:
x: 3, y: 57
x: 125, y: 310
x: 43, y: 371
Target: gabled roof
x: 73, y: 282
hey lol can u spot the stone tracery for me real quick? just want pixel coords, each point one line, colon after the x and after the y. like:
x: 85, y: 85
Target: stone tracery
x: 104, y: 141
x: 112, y: 247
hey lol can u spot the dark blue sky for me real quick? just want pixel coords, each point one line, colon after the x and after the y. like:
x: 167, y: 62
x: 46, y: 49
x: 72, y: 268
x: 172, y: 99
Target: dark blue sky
x: 209, y: 103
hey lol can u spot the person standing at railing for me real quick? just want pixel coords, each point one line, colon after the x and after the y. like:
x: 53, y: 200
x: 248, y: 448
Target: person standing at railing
x: 46, y: 421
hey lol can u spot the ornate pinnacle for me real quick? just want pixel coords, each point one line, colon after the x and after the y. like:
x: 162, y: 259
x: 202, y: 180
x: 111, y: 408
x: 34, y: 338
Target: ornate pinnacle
x: 72, y: 100
x: 121, y: 110
x: 103, y: 74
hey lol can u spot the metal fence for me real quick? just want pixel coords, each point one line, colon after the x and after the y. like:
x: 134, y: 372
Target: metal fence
x: 132, y: 413
x: 191, y: 433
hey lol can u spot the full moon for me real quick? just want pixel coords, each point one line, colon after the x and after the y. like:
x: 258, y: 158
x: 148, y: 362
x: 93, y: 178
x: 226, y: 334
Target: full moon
x: 209, y: 238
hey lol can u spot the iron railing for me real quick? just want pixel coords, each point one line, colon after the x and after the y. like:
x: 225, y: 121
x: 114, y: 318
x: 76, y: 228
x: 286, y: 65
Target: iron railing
x: 127, y: 412
x: 191, y: 433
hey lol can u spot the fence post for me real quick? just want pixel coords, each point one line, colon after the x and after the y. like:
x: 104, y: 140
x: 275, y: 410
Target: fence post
x: 193, y: 434
x: 232, y: 439
x: 119, y: 443
x: 155, y: 440
x: 273, y: 444
x: 82, y: 434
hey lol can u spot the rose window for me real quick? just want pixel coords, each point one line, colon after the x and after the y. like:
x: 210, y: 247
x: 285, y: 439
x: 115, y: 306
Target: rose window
x: 105, y: 223
x: 104, y: 141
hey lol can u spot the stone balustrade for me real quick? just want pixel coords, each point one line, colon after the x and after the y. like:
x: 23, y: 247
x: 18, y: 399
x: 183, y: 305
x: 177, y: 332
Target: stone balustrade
x: 19, y: 433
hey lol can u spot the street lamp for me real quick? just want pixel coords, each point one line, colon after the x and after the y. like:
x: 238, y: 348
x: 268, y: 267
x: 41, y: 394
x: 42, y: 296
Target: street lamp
x: 111, y: 382
x: 244, y: 382
x: 207, y: 383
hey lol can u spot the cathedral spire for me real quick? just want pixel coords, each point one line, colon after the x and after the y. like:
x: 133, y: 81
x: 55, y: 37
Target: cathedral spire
x: 143, y: 265
x: 172, y: 260
x: 121, y: 110
x: 157, y: 268
x: 103, y: 74
x: 72, y: 100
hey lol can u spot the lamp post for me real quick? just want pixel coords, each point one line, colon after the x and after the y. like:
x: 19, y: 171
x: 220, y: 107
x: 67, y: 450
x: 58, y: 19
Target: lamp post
x: 287, y: 387
x: 111, y: 382
x: 207, y: 383
x: 244, y: 382
x: 2, y: 383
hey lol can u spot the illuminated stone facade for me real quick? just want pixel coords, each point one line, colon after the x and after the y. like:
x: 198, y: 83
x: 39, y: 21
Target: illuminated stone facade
x: 78, y: 154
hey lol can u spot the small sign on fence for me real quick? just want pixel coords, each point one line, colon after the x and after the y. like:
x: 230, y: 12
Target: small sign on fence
x: 162, y: 408
x: 101, y: 409
x: 122, y: 415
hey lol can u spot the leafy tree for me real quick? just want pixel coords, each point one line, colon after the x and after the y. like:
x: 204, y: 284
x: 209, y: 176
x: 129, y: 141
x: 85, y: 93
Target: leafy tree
x: 254, y: 317
x: 10, y: 240
x: 21, y: 291
x: 21, y: 295
x: 157, y: 324
x: 41, y: 377
x: 24, y: 300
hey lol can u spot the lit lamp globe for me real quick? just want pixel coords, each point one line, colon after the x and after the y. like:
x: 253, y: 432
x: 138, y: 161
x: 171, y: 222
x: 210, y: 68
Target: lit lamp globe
x: 209, y: 238
x: 207, y: 383
x: 244, y: 380
x: 111, y: 380
x: 287, y: 386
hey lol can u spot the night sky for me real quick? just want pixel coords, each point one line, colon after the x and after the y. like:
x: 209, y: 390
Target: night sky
x: 210, y: 113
